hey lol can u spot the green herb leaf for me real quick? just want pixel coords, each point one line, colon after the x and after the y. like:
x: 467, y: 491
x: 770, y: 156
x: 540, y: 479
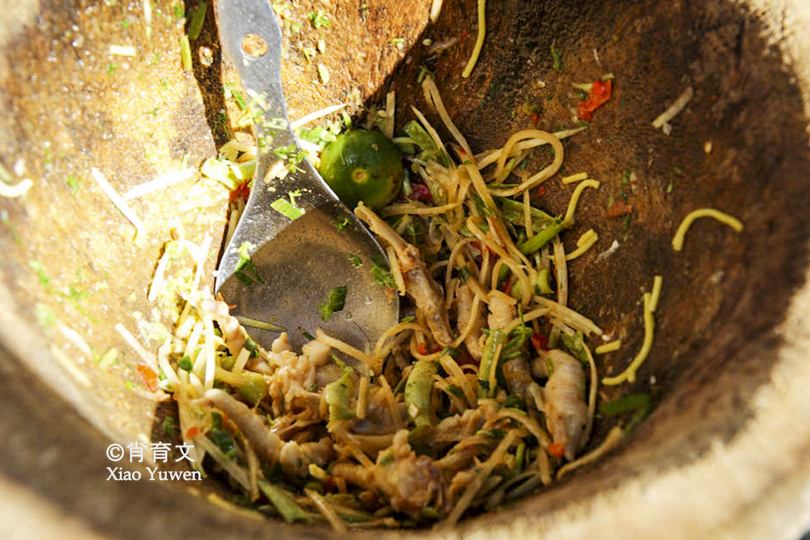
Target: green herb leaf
x: 318, y: 19
x: 185, y: 363
x: 430, y: 151
x: 246, y: 272
x: 574, y: 344
x: 641, y: 403
x: 355, y: 260
x: 168, y: 426
x: 342, y: 225
x: 382, y: 276
x: 624, y: 404
x: 334, y: 302
x: 223, y: 440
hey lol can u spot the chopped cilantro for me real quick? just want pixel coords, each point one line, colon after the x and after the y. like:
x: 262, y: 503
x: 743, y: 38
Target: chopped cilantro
x: 246, y: 272
x: 318, y: 19
x: 355, y: 260
x: 223, y: 440
x: 291, y: 154
x: 342, y: 225
x: 334, y: 302
x: 382, y: 276
x: 408, y: 319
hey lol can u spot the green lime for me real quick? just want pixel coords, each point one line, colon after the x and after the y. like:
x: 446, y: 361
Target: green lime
x: 363, y: 166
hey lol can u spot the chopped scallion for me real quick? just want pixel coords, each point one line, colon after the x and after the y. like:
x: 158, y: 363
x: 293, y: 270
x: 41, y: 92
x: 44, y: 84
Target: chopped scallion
x: 285, y: 208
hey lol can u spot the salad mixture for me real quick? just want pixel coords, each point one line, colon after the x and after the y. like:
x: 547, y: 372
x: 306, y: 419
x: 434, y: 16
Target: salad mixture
x: 484, y: 393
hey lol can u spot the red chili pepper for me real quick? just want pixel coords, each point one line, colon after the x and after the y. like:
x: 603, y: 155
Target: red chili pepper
x: 479, y: 247
x: 423, y: 349
x: 600, y: 93
x: 421, y: 193
x: 541, y: 191
x: 556, y: 450
x: 149, y: 377
x: 242, y: 192
x: 507, y: 287
x: 535, y: 118
x: 618, y: 209
x: 540, y: 341
x: 193, y: 432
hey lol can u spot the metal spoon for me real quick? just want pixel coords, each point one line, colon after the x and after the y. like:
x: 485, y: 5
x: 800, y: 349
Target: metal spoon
x: 293, y: 264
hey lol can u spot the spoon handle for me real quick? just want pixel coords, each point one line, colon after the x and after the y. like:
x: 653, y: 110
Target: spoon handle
x: 251, y: 39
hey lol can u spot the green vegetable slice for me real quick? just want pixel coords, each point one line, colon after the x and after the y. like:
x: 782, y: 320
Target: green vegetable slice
x: 288, y: 509
x: 338, y: 396
x: 418, y: 390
